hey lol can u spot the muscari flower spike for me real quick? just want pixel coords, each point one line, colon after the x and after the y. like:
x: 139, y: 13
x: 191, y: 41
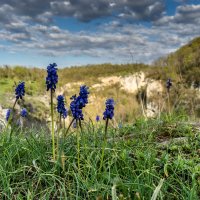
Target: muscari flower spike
x: 61, y: 106
x: 52, y: 77
x: 8, y: 114
x: 83, y: 96
x: 79, y: 102
x: 23, y: 112
x: 75, y: 109
x: 20, y: 90
x: 109, y: 111
x: 97, y: 118
x: 168, y: 84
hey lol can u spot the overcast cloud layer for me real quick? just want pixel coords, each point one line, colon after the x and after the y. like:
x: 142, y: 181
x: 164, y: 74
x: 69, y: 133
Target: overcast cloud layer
x: 116, y: 31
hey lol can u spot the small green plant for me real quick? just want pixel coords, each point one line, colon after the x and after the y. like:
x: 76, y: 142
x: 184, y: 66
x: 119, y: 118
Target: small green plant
x: 108, y: 114
x: 168, y: 86
x: 134, y: 166
x: 19, y: 93
x: 62, y: 115
x: 143, y: 160
x: 51, y: 81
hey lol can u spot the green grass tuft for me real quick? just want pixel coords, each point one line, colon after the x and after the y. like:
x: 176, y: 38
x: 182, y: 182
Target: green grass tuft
x: 137, y: 156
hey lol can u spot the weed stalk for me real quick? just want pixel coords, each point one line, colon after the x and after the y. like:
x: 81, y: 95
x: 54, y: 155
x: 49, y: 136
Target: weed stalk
x: 104, y: 144
x: 52, y: 127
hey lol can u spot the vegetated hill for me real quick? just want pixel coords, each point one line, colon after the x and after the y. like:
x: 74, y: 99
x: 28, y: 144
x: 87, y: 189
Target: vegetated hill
x: 185, y: 62
x: 35, y: 77
x: 125, y: 83
x: 69, y: 82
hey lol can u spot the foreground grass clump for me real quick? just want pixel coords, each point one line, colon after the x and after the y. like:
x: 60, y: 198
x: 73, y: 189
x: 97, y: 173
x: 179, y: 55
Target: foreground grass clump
x: 136, y: 158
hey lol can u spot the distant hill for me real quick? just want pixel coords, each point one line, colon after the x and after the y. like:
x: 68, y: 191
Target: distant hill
x: 185, y: 62
x: 35, y: 77
x: 70, y: 79
x: 138, y: 89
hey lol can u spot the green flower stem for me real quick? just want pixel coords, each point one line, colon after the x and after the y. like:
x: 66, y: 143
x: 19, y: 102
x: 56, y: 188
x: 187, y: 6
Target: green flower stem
x: 52, y: 127
x: 106, y: 129
x: 104, y: 144
x: 168, y: 99
x: 64, y: 123
x: 58, y: 139
x: 60, y: 121
x: 78, y: 145
x: 80, y: 125
x: 14, y: 104
x: 69, y: 127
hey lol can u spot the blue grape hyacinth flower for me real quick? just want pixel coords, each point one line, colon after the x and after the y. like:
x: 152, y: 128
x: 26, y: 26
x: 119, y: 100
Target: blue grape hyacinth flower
x: 168, y: 84
x: 83, y: 96
x: 79, y: 102
x: 51, y: 81
x: 20, y: 90
x: 76, y: 106
x: 61, y: 106
x: 97, y: 118
x: 23, y: 112
x: 8, y: 114
x: 108, y: 114
x: 109, y: 111
x: 76, y: 109
x: 52, y: 77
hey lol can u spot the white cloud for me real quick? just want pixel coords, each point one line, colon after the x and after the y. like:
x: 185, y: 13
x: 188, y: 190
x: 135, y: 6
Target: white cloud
x: 186, y: 14
x: 116, y: 41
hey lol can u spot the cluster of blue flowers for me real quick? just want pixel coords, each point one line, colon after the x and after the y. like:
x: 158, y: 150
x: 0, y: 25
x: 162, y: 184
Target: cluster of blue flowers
x: 97, y: 118
x: 20, y: 90
x: 23, y: 112
x: 79, y: 102
x: 19, y: 93
x: 109, y: 111
x: 61, y: 106
x: 168, y: 84
x: 52, y: 77
x: 8, y: 114
x: 75, y: 109
x: 83, y: 96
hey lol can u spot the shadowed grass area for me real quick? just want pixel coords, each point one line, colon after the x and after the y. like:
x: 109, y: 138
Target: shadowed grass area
x: 135, y: 161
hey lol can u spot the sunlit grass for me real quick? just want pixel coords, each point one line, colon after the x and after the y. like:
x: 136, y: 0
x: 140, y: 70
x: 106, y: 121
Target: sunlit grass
x: 135, y: 161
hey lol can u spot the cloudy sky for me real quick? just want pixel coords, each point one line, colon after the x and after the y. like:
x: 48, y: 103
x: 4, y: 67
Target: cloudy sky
x: 78, y: 32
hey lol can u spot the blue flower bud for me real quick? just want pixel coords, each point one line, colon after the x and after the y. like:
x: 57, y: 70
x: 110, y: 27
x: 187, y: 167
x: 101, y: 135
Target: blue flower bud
x: 52, y: 77
x: 168, y: 84
x: 109, y: 111
x: 23, y: 112
x: 20, y: 90
x: 97, y: 118
x: 61, y: 106
x: 79, y: 102
x: 8, y: 114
